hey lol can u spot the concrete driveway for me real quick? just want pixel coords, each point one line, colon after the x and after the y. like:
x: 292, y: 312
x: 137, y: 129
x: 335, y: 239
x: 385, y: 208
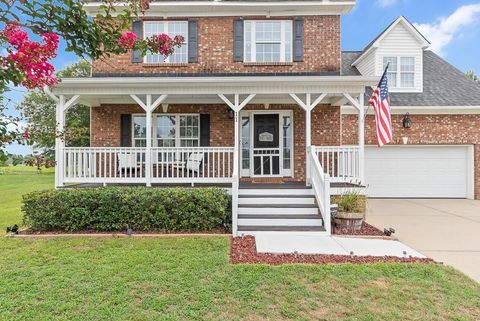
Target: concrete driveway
x: 445, y: 230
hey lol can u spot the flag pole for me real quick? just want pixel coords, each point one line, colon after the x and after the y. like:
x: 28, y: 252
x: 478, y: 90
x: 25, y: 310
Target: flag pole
x: 368, y: 107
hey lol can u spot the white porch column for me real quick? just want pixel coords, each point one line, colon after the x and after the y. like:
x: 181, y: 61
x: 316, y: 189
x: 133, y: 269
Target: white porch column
x: 308, y: 106
x: 59, y: 143
x: 148, y: 152
x: 60, y: 111
x: 361, y: 138
x: 149, y: 107
x: 359, y: 106
x: 236, y: 106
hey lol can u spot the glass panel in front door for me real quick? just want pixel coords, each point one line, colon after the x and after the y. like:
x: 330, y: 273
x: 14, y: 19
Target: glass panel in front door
x: 245, y: 143
x: 266, y: 145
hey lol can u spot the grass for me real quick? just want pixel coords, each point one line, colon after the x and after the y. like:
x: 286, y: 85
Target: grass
x: 14, y: 182
x: 191, y: 279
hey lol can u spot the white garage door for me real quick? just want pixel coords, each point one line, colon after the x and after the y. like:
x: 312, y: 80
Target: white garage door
x: 418, y: 171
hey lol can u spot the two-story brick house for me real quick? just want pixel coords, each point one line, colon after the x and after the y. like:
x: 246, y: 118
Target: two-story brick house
x: 261, y: 93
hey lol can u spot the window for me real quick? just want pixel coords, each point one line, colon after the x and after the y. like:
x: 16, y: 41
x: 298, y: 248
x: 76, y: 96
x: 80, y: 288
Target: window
x: 171, y: 28
x: 287, y: 142
x: 401, y: 71
x: 166, y: 129
x: 169, y: 131
x: 189, y: 131
x: 246, y: 142
x: 407, y: 72
x: 268, y: 41
x: 139, y: 131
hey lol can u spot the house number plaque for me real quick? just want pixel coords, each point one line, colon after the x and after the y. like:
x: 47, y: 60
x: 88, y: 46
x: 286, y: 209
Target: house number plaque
x: 265, y: 137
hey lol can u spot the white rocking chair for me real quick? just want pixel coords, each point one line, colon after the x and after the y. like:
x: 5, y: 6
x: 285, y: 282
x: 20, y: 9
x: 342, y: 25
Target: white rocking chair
x: 193, y: 163
x: 127, y: 162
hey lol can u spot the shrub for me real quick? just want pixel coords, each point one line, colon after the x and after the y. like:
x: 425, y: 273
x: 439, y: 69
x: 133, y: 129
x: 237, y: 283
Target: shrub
x: 112, y: 208
x: 350, y: 202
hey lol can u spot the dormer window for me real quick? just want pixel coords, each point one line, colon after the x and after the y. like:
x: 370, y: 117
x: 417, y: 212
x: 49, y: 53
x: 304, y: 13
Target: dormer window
x: 268, y: 41
x: 401, y: 71
x: 171, y: 28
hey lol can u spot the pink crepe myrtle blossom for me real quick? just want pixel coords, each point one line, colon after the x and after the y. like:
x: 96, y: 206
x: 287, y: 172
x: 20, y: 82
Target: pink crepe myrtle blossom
x: 127, y: 40
x: 164, y: 44
x: 29, y: 57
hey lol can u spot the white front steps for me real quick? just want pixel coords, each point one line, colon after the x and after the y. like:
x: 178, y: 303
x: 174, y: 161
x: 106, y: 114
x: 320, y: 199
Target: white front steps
x: 278, y: 209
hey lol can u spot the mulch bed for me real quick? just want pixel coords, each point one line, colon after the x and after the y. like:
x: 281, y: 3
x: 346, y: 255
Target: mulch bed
x: 366, y: 230
x: 243, y: 251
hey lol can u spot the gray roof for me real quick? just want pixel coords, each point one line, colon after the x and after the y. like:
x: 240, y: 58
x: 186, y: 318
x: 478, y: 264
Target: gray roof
x: 443, y: 84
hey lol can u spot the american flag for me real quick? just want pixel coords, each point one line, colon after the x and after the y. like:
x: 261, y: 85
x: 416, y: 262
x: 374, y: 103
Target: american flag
x: 380, y: 102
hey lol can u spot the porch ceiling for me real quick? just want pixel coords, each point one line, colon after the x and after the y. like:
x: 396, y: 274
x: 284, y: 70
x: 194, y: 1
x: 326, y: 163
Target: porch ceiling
x: 193, y: 87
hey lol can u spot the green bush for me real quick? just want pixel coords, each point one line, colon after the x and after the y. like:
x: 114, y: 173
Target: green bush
x: 112, y: 208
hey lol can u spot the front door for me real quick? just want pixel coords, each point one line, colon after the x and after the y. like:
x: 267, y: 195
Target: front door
x: 266, y: 145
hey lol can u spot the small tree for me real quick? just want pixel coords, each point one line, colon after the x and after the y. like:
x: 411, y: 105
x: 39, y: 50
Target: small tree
x: 38, y: 109
x: 472, y: 75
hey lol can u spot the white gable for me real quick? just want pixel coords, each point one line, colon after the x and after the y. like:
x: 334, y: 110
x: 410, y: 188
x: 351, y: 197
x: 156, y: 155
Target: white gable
x: 401, y: 39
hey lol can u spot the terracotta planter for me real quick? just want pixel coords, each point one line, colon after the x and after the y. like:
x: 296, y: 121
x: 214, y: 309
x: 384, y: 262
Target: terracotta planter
x: 350, y: 221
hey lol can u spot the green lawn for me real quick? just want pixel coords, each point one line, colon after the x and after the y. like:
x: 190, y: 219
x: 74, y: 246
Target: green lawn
x: 15, y: 181
x: 191, y: 279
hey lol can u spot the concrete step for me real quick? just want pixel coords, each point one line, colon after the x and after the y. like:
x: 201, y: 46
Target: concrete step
x: 253, y: 229
x: 279, y: 222
x: 304, y: 200
x: 280, y: 210
x: 283, y: 192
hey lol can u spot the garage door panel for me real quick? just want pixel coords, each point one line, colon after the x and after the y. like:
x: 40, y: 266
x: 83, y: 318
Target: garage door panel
x: 413, y: 171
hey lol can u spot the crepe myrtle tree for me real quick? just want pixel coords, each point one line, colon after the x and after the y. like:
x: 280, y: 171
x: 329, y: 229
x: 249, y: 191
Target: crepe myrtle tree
x: 30, y: 31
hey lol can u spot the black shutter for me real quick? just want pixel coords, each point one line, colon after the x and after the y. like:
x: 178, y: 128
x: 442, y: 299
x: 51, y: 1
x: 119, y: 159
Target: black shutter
x: 137, y: 28
x: 237, y: 40
x: 126, y: 130
x: 298, y: 42
x: 205, y: 130
x: 192, y: 41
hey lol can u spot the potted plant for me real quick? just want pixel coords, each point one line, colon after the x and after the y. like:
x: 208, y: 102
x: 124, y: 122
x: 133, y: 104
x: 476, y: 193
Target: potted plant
x: 351, y: 211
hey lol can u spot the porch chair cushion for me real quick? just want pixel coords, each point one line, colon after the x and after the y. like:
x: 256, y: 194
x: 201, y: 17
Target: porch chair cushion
x: 127, y: 160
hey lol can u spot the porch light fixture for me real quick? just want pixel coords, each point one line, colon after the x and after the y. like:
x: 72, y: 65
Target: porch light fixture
x: 407, y: 122
x: 230, y: 113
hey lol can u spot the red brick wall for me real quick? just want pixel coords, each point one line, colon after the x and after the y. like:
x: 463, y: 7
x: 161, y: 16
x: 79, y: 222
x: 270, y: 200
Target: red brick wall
x: 425, y: 130
x: 215, y: 51
x: 325, y: 126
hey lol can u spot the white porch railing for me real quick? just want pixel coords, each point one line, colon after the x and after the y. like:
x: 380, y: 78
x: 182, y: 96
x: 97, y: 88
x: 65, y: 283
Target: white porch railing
x: 341, y: 163
x: 320, y: 182
x: 128, y: 165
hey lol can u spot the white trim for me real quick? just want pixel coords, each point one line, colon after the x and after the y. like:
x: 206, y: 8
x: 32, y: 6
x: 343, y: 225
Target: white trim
x: 99, y: 86
x: 254, y: 42
x: 154, y: 128
x: 420, y: 38
x: 235, y: 8
x: 420, y: 110
x: 281, y: 113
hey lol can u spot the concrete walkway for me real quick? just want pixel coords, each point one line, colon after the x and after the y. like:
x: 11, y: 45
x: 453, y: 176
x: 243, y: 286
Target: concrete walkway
x: 445, y: 230
x: 303, y: 243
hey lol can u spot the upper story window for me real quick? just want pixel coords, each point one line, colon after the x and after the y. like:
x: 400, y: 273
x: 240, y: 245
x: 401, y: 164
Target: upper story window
x: 268, y: 41
x: 171, y: 28
x: 401, y: 71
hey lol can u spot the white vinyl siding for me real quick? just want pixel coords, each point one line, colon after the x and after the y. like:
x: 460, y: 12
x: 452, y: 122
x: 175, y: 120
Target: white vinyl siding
x: 268, y: 41
x: 171, y: 28
x: 401, y: 43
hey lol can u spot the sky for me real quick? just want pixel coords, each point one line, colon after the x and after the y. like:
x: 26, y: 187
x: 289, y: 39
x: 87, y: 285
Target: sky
x: 452, y: 27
